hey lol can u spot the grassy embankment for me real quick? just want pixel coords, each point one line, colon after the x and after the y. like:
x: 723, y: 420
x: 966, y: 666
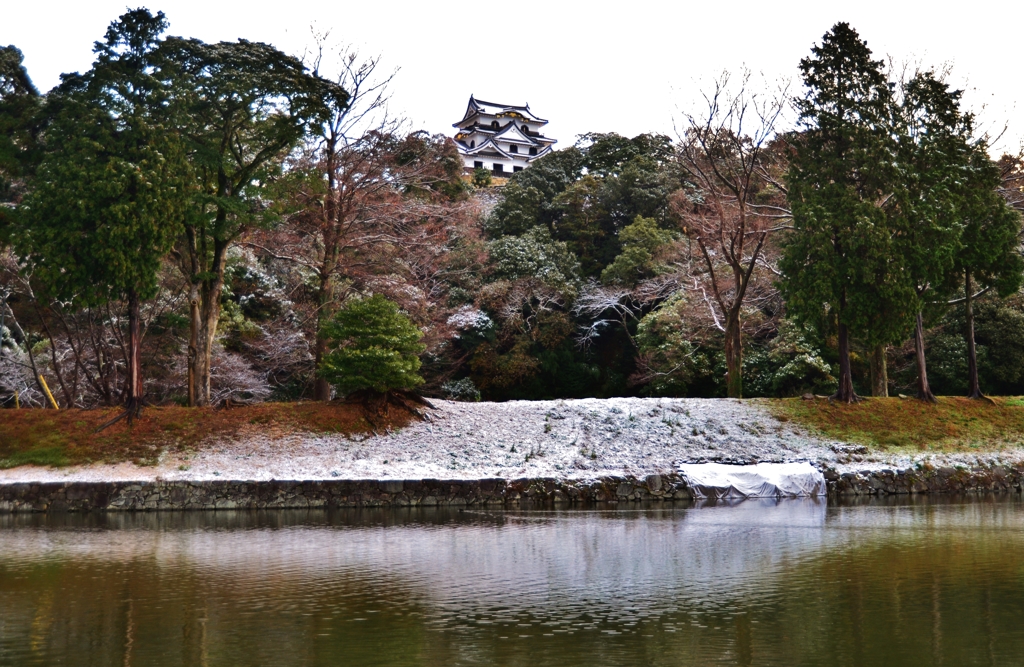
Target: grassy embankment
x: 893, y: 424
x: 65, y: 437
x: 48, y: 437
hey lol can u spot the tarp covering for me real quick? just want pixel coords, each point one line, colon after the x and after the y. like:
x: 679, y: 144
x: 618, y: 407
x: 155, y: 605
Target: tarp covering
x: 761, y: 480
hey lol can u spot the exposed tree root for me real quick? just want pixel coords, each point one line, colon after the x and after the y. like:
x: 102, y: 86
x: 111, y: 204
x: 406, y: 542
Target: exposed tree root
x: 836, y: 398
x: 377, y: 405
x: 132, y: 411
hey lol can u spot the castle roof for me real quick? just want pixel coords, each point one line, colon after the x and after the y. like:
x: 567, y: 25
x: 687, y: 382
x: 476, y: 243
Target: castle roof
x: 482, y: 108
x: 490, y: 149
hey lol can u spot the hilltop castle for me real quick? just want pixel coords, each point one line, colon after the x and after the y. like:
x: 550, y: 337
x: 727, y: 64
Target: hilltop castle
x: 501, y: 138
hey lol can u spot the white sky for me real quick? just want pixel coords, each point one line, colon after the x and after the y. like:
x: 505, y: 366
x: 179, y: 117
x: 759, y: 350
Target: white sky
x: 624, y: 67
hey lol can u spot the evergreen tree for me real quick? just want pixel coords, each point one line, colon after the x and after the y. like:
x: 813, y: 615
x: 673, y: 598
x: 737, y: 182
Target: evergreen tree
x: 837, y: 260
x: 109, y: 194
x: 19, y: 125
x: 932, y: 197
x: 988, y: 256
x: 242, y: 106
x: 376, y: 348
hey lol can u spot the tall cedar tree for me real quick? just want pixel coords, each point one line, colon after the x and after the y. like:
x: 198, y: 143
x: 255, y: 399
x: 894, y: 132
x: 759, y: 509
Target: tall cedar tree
x: 243, y: 107
x: 19, y: 127
x: 933, y: 196
x: 109, y: 195
x: 836, y: 260
x: 988, y: 257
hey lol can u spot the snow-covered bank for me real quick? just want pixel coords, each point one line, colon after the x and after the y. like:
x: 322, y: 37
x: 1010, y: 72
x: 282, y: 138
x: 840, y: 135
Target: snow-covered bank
x: 566, y: 439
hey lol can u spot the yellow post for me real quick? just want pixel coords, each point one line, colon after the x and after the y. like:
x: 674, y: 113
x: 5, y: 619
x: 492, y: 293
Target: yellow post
x: 42, y: 380
x: 17, y: 402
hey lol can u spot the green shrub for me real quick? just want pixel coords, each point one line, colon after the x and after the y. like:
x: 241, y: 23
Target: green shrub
x: 375, y: 348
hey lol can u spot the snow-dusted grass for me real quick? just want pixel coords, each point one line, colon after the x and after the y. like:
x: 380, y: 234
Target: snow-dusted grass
x: 573, y: 439
x: 567, y: 439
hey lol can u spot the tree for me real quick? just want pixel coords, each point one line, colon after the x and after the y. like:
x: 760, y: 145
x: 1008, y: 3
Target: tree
x: 641, y: 243
x: 19, y: 128
x: 586, y: 195
x: 722, y: 153
x: 947, y: 189
x: 243, y: 107
x: 837, y: 269
x: 109, y: 195
x: 535, y: 255
x: 376, y: 348
x: 989, y: 255
x: 363, y: 183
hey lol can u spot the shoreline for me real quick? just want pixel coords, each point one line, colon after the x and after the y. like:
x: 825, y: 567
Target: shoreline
x: 208, y: 495
x: 559, y: 451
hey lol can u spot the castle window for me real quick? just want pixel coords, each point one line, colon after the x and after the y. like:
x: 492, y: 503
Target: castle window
x: 513, y: 148
x: 494, y: 125
x: 478, y: 165
x: 533, y: 150
x: 515, y: 169
x: 499, y: 168
x: 472, y: 144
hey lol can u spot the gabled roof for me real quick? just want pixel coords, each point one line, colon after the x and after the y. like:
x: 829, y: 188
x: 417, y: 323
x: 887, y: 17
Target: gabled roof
x: 516, y: 135
x: 541, y: 153
x: 531, y: 139
x: 476, y: 106
x: 491, y: 146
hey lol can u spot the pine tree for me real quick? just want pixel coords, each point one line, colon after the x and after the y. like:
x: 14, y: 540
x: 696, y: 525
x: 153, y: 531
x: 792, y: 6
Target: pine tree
x: 376, y: 348
x: 243, y: 107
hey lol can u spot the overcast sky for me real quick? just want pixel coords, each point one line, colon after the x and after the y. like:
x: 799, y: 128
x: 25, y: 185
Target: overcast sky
x: 626, y: 67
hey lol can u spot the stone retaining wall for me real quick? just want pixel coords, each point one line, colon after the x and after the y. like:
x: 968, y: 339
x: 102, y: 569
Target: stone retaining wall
x: 926, y: 479
x: 217, y: 494
x: 208, y: 495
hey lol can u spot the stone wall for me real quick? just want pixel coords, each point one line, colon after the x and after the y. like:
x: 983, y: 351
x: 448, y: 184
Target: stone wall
x: 217, y: 494
x: 926, y: 479
x: 207, y: 495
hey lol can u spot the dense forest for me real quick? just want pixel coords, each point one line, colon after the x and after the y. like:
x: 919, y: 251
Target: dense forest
x: 201, y: 223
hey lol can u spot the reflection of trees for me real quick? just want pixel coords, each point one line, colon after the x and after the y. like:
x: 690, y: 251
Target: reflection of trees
x: 775, y: 583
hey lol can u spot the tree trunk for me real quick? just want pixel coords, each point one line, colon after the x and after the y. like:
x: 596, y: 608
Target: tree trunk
x: 321, y: 387
x: 133, y: 389
x: 205, y: 332
x: 193, y: 344
x: 204, y: 315
x: 924, y: 392
x: 733, y: 355
x: 973, y: 385
x: 845, y: 393
x: 879, y: 373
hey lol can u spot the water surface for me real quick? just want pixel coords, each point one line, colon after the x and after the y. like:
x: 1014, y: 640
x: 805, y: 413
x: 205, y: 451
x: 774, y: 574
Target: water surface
x: 758, y: 583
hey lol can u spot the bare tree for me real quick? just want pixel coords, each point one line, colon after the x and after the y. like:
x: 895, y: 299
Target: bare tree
x: 733, y: 204
x: 367, y: 208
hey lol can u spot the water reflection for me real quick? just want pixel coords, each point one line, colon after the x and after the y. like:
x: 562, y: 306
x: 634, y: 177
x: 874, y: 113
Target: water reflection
x: 791, y: 582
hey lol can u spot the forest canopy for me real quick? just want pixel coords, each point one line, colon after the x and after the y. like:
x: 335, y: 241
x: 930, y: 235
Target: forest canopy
x: 200, y: 223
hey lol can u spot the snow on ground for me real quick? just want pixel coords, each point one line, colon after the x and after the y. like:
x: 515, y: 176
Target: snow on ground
x: 568, y: 439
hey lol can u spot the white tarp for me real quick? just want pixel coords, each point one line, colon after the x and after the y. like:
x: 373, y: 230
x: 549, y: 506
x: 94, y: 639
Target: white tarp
x: 760, y: 480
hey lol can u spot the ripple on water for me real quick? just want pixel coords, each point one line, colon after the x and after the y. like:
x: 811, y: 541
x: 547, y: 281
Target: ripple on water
x: 758, y: 583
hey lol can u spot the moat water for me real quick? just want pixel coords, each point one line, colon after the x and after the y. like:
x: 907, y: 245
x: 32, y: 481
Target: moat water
x: 799, y: 582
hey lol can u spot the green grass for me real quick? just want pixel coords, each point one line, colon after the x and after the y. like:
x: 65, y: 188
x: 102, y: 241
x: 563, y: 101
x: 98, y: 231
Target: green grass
x: 40, y: 456
x: 953, y: 424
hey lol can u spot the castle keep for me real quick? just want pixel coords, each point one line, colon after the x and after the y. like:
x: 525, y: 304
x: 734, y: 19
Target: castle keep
x: 500, y: 138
